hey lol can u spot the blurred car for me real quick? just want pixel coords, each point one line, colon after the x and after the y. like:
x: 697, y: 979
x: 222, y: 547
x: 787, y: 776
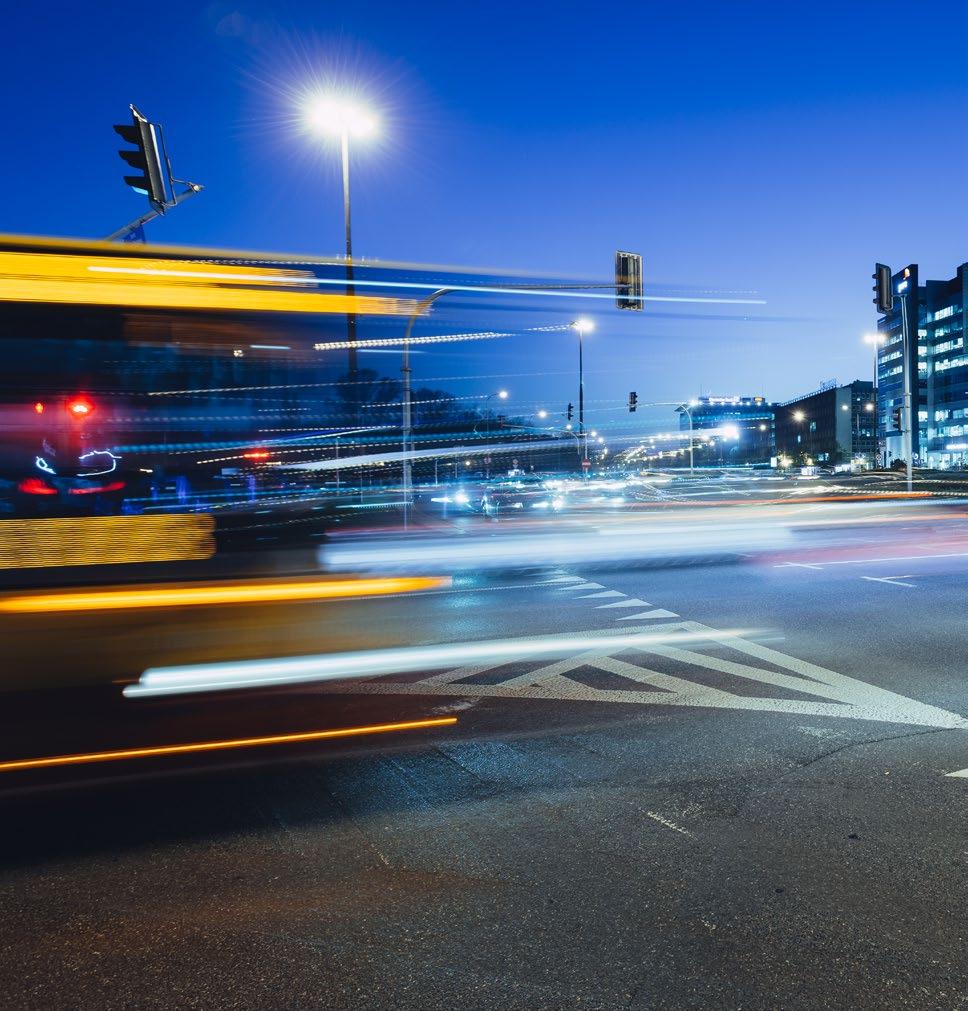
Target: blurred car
x: 521, y: 496
x: 464, y: 496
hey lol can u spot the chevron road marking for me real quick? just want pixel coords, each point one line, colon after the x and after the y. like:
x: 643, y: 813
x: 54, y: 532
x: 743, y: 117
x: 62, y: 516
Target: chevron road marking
x: 831, y: 693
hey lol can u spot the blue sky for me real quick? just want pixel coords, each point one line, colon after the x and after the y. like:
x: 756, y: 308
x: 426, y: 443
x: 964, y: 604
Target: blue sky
x: 775, y: 147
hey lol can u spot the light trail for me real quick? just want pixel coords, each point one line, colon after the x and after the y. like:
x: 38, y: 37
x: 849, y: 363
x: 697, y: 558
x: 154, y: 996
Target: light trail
x: 286, y: 278
x: 232, y: 675
x: 90, y: 757
x: 195, y: 596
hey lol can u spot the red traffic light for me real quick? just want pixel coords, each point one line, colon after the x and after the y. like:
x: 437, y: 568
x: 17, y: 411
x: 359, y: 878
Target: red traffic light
x: 79, y: 407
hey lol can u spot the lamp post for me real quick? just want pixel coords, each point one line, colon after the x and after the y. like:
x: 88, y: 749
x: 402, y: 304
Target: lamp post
x: 343, y: 118
x: 501, y: 395
x: 583, y: 326
x: 877, y: 340
x: 799, y: 417
x: 687, y: 411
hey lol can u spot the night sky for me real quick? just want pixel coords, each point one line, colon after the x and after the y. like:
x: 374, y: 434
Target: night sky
x: 775, y: 148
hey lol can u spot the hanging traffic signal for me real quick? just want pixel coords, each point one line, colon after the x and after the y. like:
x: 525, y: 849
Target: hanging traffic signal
x: 633, y: 401
x: 628, y: 281
x: 570, y: 413
x: 146, y: 159
x: 883, y: 292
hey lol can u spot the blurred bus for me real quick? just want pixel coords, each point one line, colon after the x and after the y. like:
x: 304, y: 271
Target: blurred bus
x: 135, y: 375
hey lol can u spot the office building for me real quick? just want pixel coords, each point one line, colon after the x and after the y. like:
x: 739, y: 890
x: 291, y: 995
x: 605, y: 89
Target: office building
x: 938, y: 316
x: 832, y: 425
x: 729, y: 430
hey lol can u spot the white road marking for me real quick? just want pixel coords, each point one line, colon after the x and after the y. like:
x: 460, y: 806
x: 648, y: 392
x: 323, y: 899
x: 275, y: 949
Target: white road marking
x: 564, y: 579
x: 602, y: 593
x: 835, y: 694
x: 865, y: 561
x: 669, y: 824
x: 628, y: 602
x: 583, y: 586
x: 962, y: 773
x: 893, y: 580
x: 659, y: 612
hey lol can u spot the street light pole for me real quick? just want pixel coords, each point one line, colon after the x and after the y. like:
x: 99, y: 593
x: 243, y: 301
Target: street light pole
x: 876, y: 340
x: 687, y: 410
x: 350, y: 289
x: 339, y: 117
x: 581, y: 325
x: 422, y: 306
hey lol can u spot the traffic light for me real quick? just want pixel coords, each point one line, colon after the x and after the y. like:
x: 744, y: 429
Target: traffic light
x: 883, y: 292
x: 628, y: 281
x: 570, y: 413
x: 146, y: 159
x: 896, y: 417
x: 79, y: 408
x: 633, y: 401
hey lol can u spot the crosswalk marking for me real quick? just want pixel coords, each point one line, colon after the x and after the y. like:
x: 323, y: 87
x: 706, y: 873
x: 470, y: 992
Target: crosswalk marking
x: 602, y: 593
x: 659, y: 612
x: 628, y: 602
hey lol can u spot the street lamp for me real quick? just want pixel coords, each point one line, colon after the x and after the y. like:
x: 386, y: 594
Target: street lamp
x: 501, y: 395
x: 583, y: 326
x: 337, y: 116
x: 687, y: 411
x: 876, y: 340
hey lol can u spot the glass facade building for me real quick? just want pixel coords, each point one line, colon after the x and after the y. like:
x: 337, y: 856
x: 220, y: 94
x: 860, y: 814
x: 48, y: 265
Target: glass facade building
x: 939, y: 370
x: 743, y: 429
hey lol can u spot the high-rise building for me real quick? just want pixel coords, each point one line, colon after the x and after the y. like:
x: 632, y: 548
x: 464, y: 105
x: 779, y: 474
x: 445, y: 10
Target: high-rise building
x: 832, y: 425
x: 730, y: 430
x: 937, y: 318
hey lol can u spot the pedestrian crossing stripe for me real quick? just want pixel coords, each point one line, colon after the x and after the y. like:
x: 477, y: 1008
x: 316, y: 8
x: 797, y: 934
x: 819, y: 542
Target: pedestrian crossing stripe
x: 830, y: 693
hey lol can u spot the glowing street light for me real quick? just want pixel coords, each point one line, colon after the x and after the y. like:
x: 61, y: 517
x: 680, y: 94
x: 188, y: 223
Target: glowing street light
x: 583, y: 325
x: 340, y: 117
x: 542, y: 413
x: 798, y: 416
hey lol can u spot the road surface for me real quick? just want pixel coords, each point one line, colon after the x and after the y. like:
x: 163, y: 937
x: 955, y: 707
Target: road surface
x: 755, y: 805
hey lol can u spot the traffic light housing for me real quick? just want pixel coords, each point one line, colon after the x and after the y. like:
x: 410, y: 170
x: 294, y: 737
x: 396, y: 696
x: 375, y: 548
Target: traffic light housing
x: 628, y: 281
x: 633, y: 402
x: 896, y: 418
x: 146, y: 158
x: 882, y: 288
x: 570, y: 413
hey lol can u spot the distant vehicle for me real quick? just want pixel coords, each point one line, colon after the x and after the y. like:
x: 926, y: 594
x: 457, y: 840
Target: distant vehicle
x: 55, y: 459
x: 520, y: 497
x: 466, y: 496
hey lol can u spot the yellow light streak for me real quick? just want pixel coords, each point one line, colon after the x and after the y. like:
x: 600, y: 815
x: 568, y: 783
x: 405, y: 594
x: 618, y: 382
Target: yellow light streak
x: 105, y: 540
x: 236, y: 593
x: 225, y: 745
x: 157, y: 283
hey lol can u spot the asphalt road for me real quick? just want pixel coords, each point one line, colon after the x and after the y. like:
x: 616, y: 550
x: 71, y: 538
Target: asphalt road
x: 751, y: 806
